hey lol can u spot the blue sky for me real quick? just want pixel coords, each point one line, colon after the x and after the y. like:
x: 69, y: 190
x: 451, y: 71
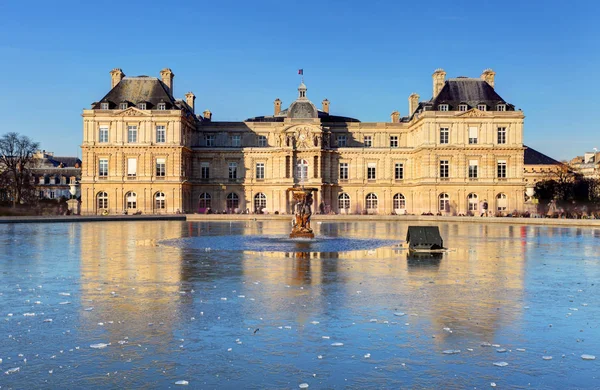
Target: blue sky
x: 366, y: 57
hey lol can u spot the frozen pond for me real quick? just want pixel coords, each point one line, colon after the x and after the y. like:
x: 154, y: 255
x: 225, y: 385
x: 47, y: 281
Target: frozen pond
x: 237, y: 305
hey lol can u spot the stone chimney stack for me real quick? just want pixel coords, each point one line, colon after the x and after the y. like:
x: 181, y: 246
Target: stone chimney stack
x: 413, y: 103
x: 325, y: 105
x: 207, y: 115
x: 395, y: 117
x: 116, y: 75
x: 488, y: 76
x: 190, y: 99
x: 276, y: 107
x: 439, y: 78
x: 167, y: 77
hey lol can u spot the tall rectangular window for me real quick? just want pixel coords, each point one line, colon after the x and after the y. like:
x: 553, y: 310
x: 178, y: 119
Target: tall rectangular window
x: 131, y: 167
x: 473, y: 135
x: 368, y: 141
x: 444, y: 135
x: 288, y: 167
x: 204, y: 170
x: 262, y: 141
x: 393, y: 141
x: 161, y: 134
x: 236, y: 140
x: 131, y: 134
x: 444, y: 169
x: 104, y: 106
x: 210, y: 140
x: 233, y: 170
x: 343, y: 171
x: 161, y: 106
x: 501, y: 135
x: 316, y: 167
x: 342, y: 141
x: 482, y: 107
x: 462, y: 107
x: 103, y: 136
x: 161, y: 167
x: 443, y: 107
x: 501, y: 107
x: 371, y: 171
x: 260, y: 171
x: 501, y: 169
x: 473, y: 169
x: 103, y: 167
x: 399, y: 171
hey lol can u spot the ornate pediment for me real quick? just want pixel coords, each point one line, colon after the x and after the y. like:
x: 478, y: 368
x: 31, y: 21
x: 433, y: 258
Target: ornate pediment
x: 472, y: 113
x: 300, y: 137
x: 132, y: 111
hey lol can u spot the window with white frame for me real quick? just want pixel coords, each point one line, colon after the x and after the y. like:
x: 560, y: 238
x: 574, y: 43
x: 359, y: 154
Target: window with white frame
x: 260, y: 202
x: 473, y: 134
x: 368, y: 141
x: 142, y: 106
x: 501, y: 202
x: 103, y: 134
x: 159, y: 201
x: 443, y: 107
x: 501, y: 135
x: 205, y: 170
x: 102, y: 198
x: 210, y: 140
x: 473, y: 167
x: 399, y: 202
x: 260, y: 171
x: 161, y: 106
x: 444, y: 168
x: 371, y: 201
x: 233, y: 170
x: 444, y: 135
x: 444, y: 202
x: 343, y: 171
x: 233, y: 201
x: 472, y: 203
x: 302, y: 170
x: 481, y: 107
x: 104, y: 106
x: 161, y: 134
x: 371, y: 171
x: 501, y: 169
x: 161, y: 167
x: 342, y: 141
x: 399, y: 171
x: 393, y: 141
x: 262, y: 141
x: 52, y: 194
x: 131, y: 200
x: 463, y: 107
x: 343, y: 201
x: 123, y: 106
x: 103, y: 167
x: 132, y: 134
x: 501, y: 107
x: 131, y: 167
x: 236, y: 140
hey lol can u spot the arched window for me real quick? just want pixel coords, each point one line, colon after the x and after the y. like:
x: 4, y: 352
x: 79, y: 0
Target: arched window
x: 444, y: 203
x: 302, y: 170
x: 260, y: 202
x: 102, y: 200
x: 501, y: 202
x: 399, y: 202
x: 371, y: 201
x: 343, y: 201
x: 131, y: 200
x: 159, y: 201
x: 204, y: 200
x: 472, y: 203
x: 233, y: 200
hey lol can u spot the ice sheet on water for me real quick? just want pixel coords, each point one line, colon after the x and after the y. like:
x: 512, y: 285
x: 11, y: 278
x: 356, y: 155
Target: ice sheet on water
x: 399, y: 314
x: 337, y: 344
x: 451, y: 351
x: 12, y: 370
x: 500, y: 364
x: 182, y: 382
x: 303, y: 385
x: 547, y: 357
x: 65, y: 303
x: 65, y: 294
x: 99, y: 345
x: 588, y: 357
x: 314, y: 322
x: 29, y: 314
x: 520, y: 349
x: 501, y: 350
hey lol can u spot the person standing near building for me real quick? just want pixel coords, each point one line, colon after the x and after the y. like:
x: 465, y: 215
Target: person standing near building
x: 484, y: 208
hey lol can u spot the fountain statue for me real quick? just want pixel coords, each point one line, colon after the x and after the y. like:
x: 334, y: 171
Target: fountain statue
x: 303, y: 200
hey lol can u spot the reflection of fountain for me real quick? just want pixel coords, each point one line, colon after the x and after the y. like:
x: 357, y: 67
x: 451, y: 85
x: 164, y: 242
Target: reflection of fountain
x: 303, y: 200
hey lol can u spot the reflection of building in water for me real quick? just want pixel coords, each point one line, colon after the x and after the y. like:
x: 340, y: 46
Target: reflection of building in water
x: 126, y: 277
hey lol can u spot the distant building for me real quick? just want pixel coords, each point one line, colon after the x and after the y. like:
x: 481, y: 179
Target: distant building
x: 52, y: 175
x: 587, y: 165
x: 539, y: 167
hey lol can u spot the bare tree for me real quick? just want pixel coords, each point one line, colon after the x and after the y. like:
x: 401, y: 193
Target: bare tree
x: 16, y: 155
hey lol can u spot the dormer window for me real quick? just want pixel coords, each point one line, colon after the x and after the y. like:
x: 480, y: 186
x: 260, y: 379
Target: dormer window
x: 462, y: 107
x: 443, y: 107
x: 104, y: 106
x: 482, y: 107
x: 501, y: 107
x: 142, y: 106
x: 162, y: 106
x: 123, y: 106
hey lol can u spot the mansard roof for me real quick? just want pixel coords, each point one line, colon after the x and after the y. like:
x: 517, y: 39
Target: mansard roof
x: 141, y: 89
x: 533, y: 157
x: 470, y: 91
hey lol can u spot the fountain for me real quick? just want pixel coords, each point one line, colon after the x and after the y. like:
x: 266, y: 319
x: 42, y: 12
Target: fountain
x: 303, y: 200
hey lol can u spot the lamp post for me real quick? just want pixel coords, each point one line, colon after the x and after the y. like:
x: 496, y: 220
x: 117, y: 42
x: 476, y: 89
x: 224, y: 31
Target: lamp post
x: 73, y: 202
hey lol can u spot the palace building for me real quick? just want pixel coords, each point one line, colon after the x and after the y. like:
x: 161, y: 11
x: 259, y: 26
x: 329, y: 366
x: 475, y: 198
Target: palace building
x: 144, y: 150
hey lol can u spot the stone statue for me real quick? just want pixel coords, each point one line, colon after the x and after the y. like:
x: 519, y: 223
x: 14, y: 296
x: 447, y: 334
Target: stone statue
x: 302, y: 212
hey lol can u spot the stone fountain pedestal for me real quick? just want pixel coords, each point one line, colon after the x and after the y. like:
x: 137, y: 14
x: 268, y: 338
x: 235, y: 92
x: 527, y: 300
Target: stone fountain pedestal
x: 303, y: 201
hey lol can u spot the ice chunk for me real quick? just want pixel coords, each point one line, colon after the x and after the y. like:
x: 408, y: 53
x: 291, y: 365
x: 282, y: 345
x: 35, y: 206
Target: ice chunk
x: 320, y: 357
x: 337, y: 344
x: 547, y: 357
x: 520, y: 349
x: 29, y: 314
x: 493, y: 384
x: 303, y: 385
x: 65, y: 303
x: 65, y: 294
x: 99, y: 345
x: 182, y: 382
x: 501, y: 350
x: 448, y: 330
x: 229, y: 349
x: 399, y: 314
x: 367, y: 355
x: 326, y: 337
x: 500, y: 364
x: 451, y: 351
x: 373, y: 320
x: 314, y: 322
x: 48, y: 320
x: 584, y: 357
x: 12, y: 370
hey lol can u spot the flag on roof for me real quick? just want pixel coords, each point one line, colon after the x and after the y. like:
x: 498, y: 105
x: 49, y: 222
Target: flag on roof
x: 301, y: 71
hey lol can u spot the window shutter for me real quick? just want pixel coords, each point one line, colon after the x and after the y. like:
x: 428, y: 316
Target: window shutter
x: 131, y: 166
x: 472, y: 132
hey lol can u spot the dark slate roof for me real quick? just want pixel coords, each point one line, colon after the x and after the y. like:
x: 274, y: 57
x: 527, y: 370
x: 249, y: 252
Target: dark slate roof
x: 134, y: 90
x: 470, y: 91
x: 49, y: 162
x: 533, y: 157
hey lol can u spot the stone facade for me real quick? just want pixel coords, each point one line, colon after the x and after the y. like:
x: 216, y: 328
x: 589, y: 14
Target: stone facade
x: 450, y: 153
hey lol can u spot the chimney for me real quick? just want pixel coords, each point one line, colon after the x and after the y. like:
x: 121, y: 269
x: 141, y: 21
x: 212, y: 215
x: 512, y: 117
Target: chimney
x: 190, y: 98
x: 207, y: 115
x: 167, y: 77
x: 116, y: 75
x: 276, y: 107
x: 439, y: 77
x: 325, y: 103
x: 488, y: 76
x: 413, y: 103
x: 395, y: 117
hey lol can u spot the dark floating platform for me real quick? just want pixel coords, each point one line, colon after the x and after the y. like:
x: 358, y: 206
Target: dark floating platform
x: 424, y: 238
